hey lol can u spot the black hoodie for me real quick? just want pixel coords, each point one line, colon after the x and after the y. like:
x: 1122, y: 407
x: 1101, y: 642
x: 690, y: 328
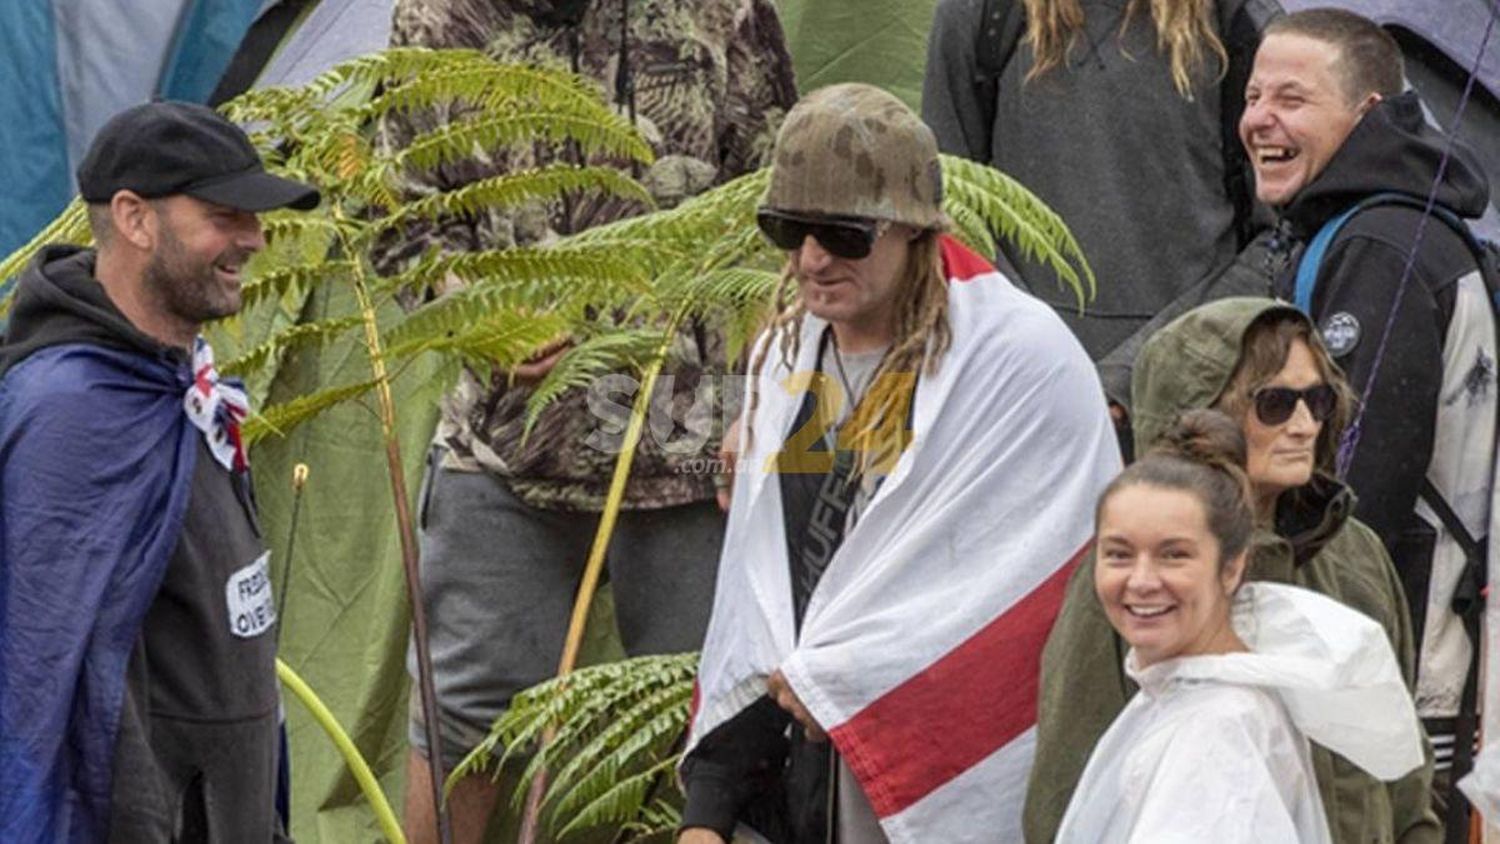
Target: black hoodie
x: 196, y: 753
x: 59, y: 301
x: 1393, y: 149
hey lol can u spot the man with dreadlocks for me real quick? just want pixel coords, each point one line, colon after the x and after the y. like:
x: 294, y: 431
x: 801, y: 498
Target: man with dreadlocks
x: 1404, y: 300
x: 923, y: 446
x: 507, y: 516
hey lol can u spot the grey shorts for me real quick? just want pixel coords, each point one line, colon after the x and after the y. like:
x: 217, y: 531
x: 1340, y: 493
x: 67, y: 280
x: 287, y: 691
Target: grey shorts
x: 500, y: 576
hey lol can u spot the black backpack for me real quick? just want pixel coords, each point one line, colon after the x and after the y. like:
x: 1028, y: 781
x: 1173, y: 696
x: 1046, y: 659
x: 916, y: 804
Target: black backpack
x: 1468, y: 599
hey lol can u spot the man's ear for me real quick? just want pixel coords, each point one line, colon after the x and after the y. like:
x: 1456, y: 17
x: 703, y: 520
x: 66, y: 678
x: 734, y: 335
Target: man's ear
x: 134, y: 219
x: 1370, y: 101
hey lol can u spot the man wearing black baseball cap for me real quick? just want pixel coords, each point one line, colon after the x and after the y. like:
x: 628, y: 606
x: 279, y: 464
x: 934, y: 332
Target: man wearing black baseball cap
x: 138, y: 696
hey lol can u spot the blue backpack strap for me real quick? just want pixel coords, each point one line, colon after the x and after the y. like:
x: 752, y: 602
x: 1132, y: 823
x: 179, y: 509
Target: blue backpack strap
x: 1312, y: 257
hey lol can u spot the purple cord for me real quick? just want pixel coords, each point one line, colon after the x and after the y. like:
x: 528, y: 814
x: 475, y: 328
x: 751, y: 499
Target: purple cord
x: 1350, y: 441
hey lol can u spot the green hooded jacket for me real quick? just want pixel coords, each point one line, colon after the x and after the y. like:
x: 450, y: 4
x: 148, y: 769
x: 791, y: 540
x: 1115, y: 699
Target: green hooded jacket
x: 1315, y: 544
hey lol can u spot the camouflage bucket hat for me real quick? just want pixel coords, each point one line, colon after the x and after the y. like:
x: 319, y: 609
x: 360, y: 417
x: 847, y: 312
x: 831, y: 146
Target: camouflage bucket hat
x: 855, y: 150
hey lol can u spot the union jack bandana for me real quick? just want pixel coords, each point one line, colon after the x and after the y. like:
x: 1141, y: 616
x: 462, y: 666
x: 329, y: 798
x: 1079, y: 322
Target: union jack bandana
x: 217, y: 407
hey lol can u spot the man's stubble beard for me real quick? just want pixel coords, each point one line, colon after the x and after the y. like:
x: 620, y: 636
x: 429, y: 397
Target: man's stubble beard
x: 186, y: 289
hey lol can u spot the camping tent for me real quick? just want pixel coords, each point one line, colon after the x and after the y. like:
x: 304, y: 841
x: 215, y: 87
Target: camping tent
x: 69, y: 63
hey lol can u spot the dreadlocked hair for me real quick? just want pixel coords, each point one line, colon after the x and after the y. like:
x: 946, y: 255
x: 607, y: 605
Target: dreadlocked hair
x: 876, y: 429
x: 1185, y: 31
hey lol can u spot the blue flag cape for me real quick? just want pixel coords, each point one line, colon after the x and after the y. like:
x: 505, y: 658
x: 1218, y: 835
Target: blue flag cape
x: 96, y: 464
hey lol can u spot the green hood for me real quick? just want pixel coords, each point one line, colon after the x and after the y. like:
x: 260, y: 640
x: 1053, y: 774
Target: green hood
x: 1187, y: 364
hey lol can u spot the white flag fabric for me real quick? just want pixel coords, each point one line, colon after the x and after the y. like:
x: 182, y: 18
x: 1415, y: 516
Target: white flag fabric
x: 921, y: 645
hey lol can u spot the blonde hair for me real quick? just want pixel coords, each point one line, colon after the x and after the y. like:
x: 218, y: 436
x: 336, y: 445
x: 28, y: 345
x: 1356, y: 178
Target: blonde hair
x: 921, y: 337
x: 1185, y: 31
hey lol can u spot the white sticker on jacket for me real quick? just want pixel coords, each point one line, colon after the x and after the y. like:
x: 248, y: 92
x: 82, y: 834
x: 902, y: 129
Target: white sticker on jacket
x: 1341, y: 333
x: 248, y: 595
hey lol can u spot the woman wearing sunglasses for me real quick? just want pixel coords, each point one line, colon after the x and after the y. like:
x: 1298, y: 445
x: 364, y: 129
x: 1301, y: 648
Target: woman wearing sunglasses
x: 1262, y: 363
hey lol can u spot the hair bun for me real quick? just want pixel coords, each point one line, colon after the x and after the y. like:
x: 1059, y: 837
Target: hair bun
x: 1205, y: 436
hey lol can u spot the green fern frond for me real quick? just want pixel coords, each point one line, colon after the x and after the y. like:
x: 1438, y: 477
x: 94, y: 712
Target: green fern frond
x: 646, y: 730
x: 728, y: 290
x: 299, y: 225
x: 290, y: 340
x: 517, y: 188
x: 485, y: 84
x: 616, y: 351
x: 558, y: 700
x: 698, y: 221
x: 275, y: 283
x: 602, y: 133
x: 658, y: 821
x: 507, y: 279
x: 70, y: 226
x: 280, y: 107
x: 614, y: 720
x: 393, y: 66
x: 1023, y: 219
x: 280, y: 419
x: 548, y: 271
x: 970, y: 228
x: 488, y: 339
x: 622, y: 802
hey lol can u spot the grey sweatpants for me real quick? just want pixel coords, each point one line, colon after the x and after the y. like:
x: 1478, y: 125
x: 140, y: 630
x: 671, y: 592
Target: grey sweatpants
x: 500, y: 576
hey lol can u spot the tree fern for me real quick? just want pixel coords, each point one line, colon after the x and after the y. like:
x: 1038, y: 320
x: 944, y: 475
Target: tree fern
x: 612, y: 760
x: 297, y: 337
x: 702, y: 259
x: 618, y: 350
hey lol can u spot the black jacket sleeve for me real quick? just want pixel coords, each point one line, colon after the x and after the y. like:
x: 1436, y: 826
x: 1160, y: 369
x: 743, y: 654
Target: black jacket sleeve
x: 732, y: 764
x: 1396, y: 371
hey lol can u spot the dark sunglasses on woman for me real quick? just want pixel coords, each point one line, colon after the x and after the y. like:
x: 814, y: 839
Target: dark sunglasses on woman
x: 1275, y: 405
x: 850, y: 238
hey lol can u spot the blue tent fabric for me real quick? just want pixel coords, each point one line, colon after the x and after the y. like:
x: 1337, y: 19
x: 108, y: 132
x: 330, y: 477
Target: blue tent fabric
x: 89, y: 514
x: 210, y: 32
x: 66, y: 66
x: 34, y: 168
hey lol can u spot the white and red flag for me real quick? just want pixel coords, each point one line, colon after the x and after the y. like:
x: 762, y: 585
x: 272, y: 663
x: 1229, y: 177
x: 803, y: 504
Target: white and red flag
x: 921, y: 645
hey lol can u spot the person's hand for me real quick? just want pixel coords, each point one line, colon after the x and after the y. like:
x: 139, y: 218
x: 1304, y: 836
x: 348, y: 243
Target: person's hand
x: 537, y: 366
x: 1118, y: 414
x: 729, y: 455
x: 699, y: 835
x: 781, y: 692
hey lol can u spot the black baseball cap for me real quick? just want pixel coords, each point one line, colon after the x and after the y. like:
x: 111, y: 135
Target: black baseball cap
x: 164, y: 148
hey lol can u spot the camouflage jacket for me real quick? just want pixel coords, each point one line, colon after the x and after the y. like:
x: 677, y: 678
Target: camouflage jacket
x: 708, y: 82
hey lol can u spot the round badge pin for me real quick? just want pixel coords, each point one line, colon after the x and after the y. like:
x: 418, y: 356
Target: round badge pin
x: 1341, y: 333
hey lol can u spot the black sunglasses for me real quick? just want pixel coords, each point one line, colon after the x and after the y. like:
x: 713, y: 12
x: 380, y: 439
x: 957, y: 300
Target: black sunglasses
x: 1275, y: 405
x: 844, y: 237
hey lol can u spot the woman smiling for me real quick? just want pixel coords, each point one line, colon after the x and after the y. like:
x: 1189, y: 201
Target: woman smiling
x: 1233, y: 677
x: 1260, y: 363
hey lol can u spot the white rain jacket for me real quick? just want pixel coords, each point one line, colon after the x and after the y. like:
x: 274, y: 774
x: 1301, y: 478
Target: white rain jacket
x: 1482, y: 785
x: 1214, y: 749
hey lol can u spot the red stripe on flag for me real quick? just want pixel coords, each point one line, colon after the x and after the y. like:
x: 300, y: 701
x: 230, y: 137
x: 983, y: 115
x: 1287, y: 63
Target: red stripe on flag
x: 973, y: 701
x: 960, y: 263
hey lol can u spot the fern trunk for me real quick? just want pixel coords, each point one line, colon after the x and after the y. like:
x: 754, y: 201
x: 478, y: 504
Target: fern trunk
x: 409, y: 556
